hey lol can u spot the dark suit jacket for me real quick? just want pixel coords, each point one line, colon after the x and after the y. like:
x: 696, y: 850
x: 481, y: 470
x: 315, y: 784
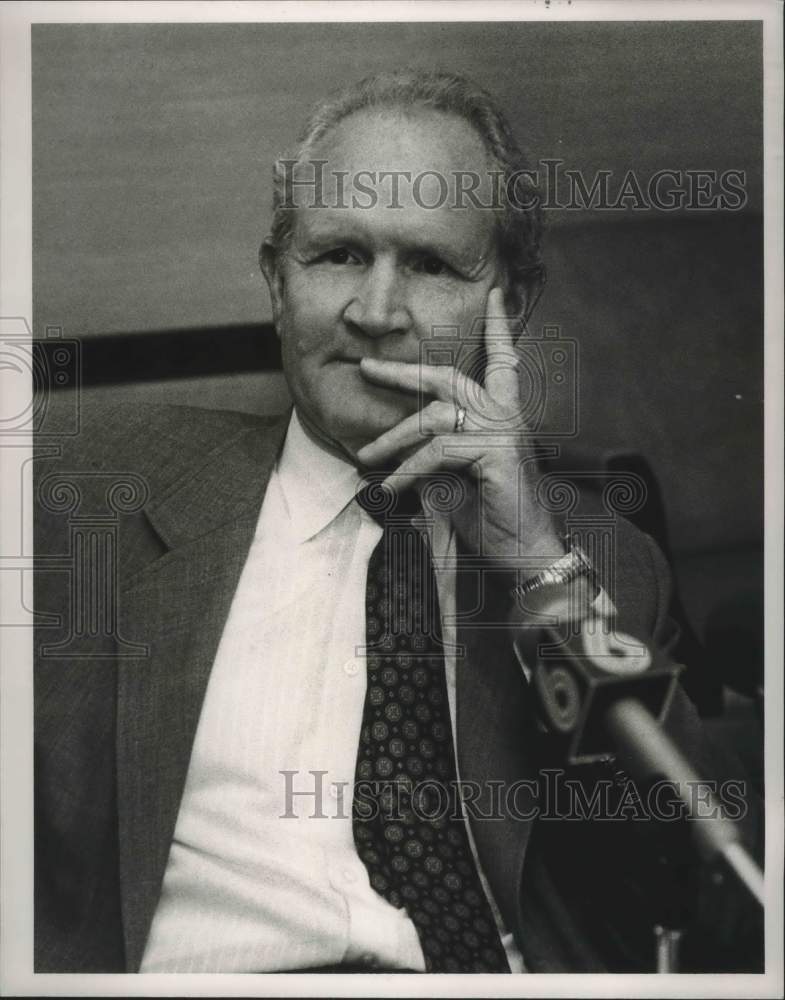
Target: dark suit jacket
x: 117, y: 700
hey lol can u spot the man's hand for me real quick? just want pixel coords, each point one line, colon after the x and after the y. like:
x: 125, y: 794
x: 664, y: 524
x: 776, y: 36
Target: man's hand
x: 492, y: 453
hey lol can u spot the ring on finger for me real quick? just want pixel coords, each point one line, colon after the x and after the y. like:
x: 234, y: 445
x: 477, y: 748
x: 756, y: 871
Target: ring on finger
x: 460, y: 419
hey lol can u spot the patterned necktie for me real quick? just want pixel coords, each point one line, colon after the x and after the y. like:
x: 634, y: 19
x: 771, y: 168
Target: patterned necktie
x: 406, y: 817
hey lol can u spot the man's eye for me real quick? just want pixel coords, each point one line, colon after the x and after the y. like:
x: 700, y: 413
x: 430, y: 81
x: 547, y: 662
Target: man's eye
x: 340, y: 255
x: 432, y: 266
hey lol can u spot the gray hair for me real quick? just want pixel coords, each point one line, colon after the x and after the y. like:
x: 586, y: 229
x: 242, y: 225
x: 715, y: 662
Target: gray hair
x: 519, y: 225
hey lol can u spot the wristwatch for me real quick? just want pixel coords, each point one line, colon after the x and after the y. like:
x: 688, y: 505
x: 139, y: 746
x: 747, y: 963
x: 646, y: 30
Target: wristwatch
x: 574, y: 564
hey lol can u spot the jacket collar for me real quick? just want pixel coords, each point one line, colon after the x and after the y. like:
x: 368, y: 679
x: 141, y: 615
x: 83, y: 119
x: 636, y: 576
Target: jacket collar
x: 226, y: 484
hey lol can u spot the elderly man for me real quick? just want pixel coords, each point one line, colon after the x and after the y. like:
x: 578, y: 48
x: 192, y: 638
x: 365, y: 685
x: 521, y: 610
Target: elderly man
x: 300, y: 645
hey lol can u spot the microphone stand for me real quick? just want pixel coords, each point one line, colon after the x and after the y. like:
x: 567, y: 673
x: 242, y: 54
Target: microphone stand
x: 646, y: 750
x: 605, y: 692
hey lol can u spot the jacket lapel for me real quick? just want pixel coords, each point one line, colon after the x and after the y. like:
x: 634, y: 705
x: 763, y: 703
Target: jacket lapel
x: 178, y: 606
x: 495, y: 730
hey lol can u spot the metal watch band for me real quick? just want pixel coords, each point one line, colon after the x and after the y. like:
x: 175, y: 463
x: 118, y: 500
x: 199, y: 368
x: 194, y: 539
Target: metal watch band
x: 568, y: 567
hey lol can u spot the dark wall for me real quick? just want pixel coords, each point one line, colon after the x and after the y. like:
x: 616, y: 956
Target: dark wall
x: 668, y: 319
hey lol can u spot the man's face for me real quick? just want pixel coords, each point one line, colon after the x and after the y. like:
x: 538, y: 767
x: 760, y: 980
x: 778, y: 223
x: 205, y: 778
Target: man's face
x: 374, y: 281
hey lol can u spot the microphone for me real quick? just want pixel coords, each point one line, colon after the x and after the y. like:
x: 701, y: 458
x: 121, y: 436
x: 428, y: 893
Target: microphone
x: 604, y: 692
x: 578, y: 677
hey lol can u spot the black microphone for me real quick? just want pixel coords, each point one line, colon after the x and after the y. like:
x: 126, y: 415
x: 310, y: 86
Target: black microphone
x: 604, y: 692
x: 578, y: 676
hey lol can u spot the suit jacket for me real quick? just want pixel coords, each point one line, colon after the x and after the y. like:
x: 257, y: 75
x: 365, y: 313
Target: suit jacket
x: 162, y: 503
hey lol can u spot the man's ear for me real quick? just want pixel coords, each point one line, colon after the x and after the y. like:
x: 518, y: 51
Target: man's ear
x: 270, y: 263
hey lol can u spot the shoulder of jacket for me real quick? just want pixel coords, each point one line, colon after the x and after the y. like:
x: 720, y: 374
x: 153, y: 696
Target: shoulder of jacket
x: 157, y: 441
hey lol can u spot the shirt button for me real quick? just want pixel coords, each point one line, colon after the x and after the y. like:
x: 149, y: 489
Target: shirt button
x: 351, y: 668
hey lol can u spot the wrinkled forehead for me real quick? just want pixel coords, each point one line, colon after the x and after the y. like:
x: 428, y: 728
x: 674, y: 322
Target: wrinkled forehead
x: 416, y: 139
x: 423, y: 157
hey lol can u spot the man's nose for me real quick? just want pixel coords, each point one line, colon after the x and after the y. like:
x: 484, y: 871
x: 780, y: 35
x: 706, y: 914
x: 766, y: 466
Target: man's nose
x: 378, y: 307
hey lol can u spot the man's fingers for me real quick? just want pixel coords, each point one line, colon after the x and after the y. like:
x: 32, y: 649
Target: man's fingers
x: 436, y: 418
x: 502, y: 378
x: 438, y: 381
x: 434, y: 456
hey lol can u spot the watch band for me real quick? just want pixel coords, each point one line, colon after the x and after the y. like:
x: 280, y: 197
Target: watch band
x: 567, y: 568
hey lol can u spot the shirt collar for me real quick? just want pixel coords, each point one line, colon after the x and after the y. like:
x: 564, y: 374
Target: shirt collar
x: 316, y: 484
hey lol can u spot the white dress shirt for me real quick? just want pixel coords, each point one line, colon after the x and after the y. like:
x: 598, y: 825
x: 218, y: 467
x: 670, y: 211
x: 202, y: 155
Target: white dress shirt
x: 263, y: 874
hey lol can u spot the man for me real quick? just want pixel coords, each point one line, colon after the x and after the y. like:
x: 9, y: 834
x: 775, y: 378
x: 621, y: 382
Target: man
x: 197, y: 785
